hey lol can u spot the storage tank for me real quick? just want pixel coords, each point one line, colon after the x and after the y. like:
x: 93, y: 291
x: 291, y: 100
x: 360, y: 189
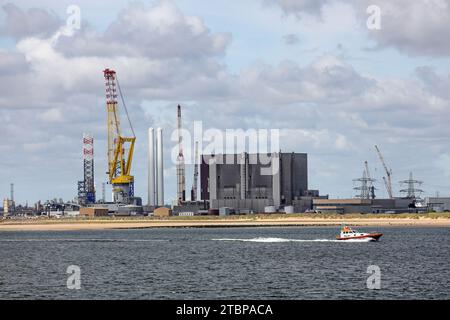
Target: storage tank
x: 225, y: 211
x: 289, y: 209
x: 270, y: 209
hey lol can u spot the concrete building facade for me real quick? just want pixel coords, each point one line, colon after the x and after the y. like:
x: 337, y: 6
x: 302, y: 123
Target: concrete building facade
x: 438, y: 204
x: 397, y: 205
x: 8, y: 207
x: 253, y: 181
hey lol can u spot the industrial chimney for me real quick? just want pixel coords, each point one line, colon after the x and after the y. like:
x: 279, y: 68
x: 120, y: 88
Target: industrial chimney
x: 159, y: 167
x: 181, y: 184
x: 151, y: 168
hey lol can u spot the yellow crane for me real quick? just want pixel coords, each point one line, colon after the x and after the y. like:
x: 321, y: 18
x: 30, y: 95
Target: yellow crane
x: 120, y: 148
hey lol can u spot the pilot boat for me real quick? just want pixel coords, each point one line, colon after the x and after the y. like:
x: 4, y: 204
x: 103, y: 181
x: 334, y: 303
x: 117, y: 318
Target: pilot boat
x: 348, y: 233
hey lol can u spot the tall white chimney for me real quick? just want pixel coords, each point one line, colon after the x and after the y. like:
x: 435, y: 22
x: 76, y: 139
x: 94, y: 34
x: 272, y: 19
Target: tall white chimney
x: 151, y: 168
x: 160, y: 167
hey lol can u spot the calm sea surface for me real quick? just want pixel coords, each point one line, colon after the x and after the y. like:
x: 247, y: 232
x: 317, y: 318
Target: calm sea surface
x: 224, y: 263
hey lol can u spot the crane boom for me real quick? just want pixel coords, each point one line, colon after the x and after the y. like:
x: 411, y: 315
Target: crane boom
x: 119, y: 156
x: 388, y: 183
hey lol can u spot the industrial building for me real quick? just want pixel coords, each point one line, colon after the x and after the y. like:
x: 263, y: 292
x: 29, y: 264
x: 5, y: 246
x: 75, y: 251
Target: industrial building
x: 8, y: 207
x: 93, y: 212
x: 256, y: 182
x: 396, y: 205
x: 162, y: 212
x: 438, y: 204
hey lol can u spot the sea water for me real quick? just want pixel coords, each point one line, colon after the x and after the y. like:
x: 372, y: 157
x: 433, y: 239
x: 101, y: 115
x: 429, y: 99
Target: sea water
x: 224, y: 263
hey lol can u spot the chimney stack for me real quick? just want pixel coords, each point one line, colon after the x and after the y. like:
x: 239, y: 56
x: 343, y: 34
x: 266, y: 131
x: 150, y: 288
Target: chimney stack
x: 160, y: 167
x: 152, y: 191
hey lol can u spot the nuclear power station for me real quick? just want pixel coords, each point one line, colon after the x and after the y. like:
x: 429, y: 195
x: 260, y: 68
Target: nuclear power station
x: 241, y: 183
x: 222, y: 183
x: 256, y: 182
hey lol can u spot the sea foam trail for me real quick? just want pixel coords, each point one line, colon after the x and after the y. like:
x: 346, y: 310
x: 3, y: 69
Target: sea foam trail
x: 273, y: 240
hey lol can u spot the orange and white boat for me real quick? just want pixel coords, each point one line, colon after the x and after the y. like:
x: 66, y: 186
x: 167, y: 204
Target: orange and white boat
x: 348, y: 233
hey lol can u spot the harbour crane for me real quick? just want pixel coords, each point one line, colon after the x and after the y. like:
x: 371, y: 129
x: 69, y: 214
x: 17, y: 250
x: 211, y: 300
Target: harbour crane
x: 388, y: 178
x: 120, y: 148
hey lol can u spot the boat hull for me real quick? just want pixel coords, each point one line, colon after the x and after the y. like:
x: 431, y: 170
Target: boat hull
x: 368, y: 237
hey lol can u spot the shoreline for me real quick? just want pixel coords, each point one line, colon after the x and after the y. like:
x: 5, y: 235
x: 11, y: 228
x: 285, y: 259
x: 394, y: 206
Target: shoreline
x: 74, y: 225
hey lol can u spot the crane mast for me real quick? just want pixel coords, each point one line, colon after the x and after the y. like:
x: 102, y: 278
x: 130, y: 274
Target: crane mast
x: 119, y: 155
x: 388, y: 178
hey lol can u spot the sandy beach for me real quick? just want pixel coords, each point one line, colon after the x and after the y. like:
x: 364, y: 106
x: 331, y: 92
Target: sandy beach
x: 192, y: 222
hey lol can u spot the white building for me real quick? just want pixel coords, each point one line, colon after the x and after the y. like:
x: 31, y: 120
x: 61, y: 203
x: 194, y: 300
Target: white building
x: 8, y: 206
x: 438, y: 204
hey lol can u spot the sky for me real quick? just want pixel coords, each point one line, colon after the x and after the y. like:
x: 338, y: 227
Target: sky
x: 310, y: 68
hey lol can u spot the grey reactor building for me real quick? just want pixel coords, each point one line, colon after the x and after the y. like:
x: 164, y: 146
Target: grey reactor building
x: 256, y: 182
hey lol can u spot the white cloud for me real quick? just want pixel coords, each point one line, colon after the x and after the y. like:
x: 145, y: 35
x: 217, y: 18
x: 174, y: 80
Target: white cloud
x: 412, y: 27
x: 443, y: 162
x: 342, y: 143
x: 160, y: 31
x: 300, y: 6
x: 51, y: 116
x: 32, y: 22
